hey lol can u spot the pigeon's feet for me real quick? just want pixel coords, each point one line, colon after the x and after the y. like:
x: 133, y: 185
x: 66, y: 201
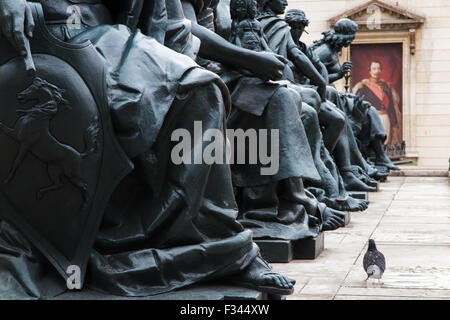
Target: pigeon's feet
x: 260, y: 276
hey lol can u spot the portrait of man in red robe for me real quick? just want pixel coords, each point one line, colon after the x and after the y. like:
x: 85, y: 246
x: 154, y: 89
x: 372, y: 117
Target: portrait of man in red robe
x: 381, y: 84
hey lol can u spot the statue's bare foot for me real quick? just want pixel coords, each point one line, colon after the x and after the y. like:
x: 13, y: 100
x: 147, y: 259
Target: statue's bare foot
x: 352, y: 204
x: 348, y: 204
x: 383, y: 161
x: 380, y: 174
x: 333, y: 219
x: 260, y: 276
x: 389, y: 166
x: 352, y: 183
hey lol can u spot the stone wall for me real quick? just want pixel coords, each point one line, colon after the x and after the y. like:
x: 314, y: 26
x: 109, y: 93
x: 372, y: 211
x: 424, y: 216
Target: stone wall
x: 428, y: 84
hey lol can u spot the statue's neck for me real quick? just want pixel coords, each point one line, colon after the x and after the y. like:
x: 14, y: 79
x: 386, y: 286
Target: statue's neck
x: 335, y: 49
x: 268, y: 12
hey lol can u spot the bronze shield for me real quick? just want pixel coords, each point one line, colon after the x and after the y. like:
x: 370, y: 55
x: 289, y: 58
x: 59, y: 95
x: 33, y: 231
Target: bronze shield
x: 59, y: 160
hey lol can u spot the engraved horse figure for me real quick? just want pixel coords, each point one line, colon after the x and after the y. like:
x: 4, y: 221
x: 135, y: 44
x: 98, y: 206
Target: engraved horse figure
x: 32, y: 132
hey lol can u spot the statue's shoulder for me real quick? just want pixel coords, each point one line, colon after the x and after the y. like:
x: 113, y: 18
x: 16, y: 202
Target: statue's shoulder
x: 320, y: 48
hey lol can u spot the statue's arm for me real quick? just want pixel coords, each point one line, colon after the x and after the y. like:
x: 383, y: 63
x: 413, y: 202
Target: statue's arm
x: 323, y: 71
x: 318, y: 64
x: 130, y: 11
x: 330, y: 62
x: 336, y: 71
x: 264, y: 42
x: 214, y: 47
x: 335, y: 76
x: 305, y: 66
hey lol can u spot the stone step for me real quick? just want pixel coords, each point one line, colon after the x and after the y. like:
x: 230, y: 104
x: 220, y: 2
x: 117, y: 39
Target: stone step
x: 284, y: 251
x: 362, y: 195
x: 207, y: 291
x: 348, y: 218
x: 420, y: 172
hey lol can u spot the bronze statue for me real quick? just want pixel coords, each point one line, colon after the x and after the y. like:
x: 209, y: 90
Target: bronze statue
x: 246, y: 31
x: 331, y: 190
x: 280, y: 40
x: 327, y: 49
x: 266, y: 201
x: 165, y: 226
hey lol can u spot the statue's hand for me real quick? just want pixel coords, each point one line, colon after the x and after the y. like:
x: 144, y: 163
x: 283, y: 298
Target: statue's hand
x: 346, y: 67
x: 16, y: 22
x: 268, y: 66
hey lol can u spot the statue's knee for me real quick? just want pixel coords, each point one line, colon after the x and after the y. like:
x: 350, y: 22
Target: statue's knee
x: 340, y: 119
x: 311, y: 97
x: 309, y: 114
x: 295, y: 95
x: 332, y: 94
x: 281, y: 96
x: 212, y: 95
x: 283, y: 103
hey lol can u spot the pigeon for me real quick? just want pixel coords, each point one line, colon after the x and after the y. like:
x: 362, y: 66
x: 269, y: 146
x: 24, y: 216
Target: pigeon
x: 374, y: 262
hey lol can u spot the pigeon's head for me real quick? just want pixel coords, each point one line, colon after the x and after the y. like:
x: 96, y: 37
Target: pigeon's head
x: 372, y: 245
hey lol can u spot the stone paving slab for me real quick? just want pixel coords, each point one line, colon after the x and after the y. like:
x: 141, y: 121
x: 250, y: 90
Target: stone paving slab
x: 430, y: 234
x: 397, y: 293
x: 417, y: 219
x: 197, y: 292
x: 403, y: 278
x: 410, y: 221
x: 349, y: 297
x: 415, y: 211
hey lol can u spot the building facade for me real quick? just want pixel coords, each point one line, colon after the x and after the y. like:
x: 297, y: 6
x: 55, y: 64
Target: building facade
x: 410, y: 41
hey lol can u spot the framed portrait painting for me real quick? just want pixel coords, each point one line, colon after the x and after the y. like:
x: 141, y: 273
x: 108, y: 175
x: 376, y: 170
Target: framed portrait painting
x: 377, y: 75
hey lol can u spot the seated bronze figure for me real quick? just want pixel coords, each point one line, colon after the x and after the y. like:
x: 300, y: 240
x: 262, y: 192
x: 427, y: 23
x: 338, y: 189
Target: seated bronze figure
x: 146, y: 225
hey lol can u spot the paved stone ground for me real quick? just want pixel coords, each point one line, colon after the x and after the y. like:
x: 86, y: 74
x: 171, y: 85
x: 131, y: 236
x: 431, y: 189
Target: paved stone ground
x: 409, y: 218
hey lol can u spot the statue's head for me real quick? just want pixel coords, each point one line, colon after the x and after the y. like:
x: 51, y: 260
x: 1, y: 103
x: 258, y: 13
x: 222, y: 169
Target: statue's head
x: 276, y: 6
x: 243, y: 9
x: 297, y: 21
x: 347, y: 29
x: 342, y: 34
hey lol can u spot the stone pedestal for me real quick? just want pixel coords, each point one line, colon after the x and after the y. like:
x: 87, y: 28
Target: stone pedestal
x: 375, y: 184
x: 284, y: 251
x: 359, y: 195
x: 207, y: 291
x: 348, y: 218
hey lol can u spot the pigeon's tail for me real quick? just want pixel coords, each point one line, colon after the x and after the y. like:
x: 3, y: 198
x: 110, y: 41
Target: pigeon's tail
x: 374, y: 272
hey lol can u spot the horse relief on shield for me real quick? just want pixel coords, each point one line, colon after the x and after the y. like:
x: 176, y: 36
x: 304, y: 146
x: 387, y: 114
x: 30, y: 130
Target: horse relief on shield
x: 39, y: 104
